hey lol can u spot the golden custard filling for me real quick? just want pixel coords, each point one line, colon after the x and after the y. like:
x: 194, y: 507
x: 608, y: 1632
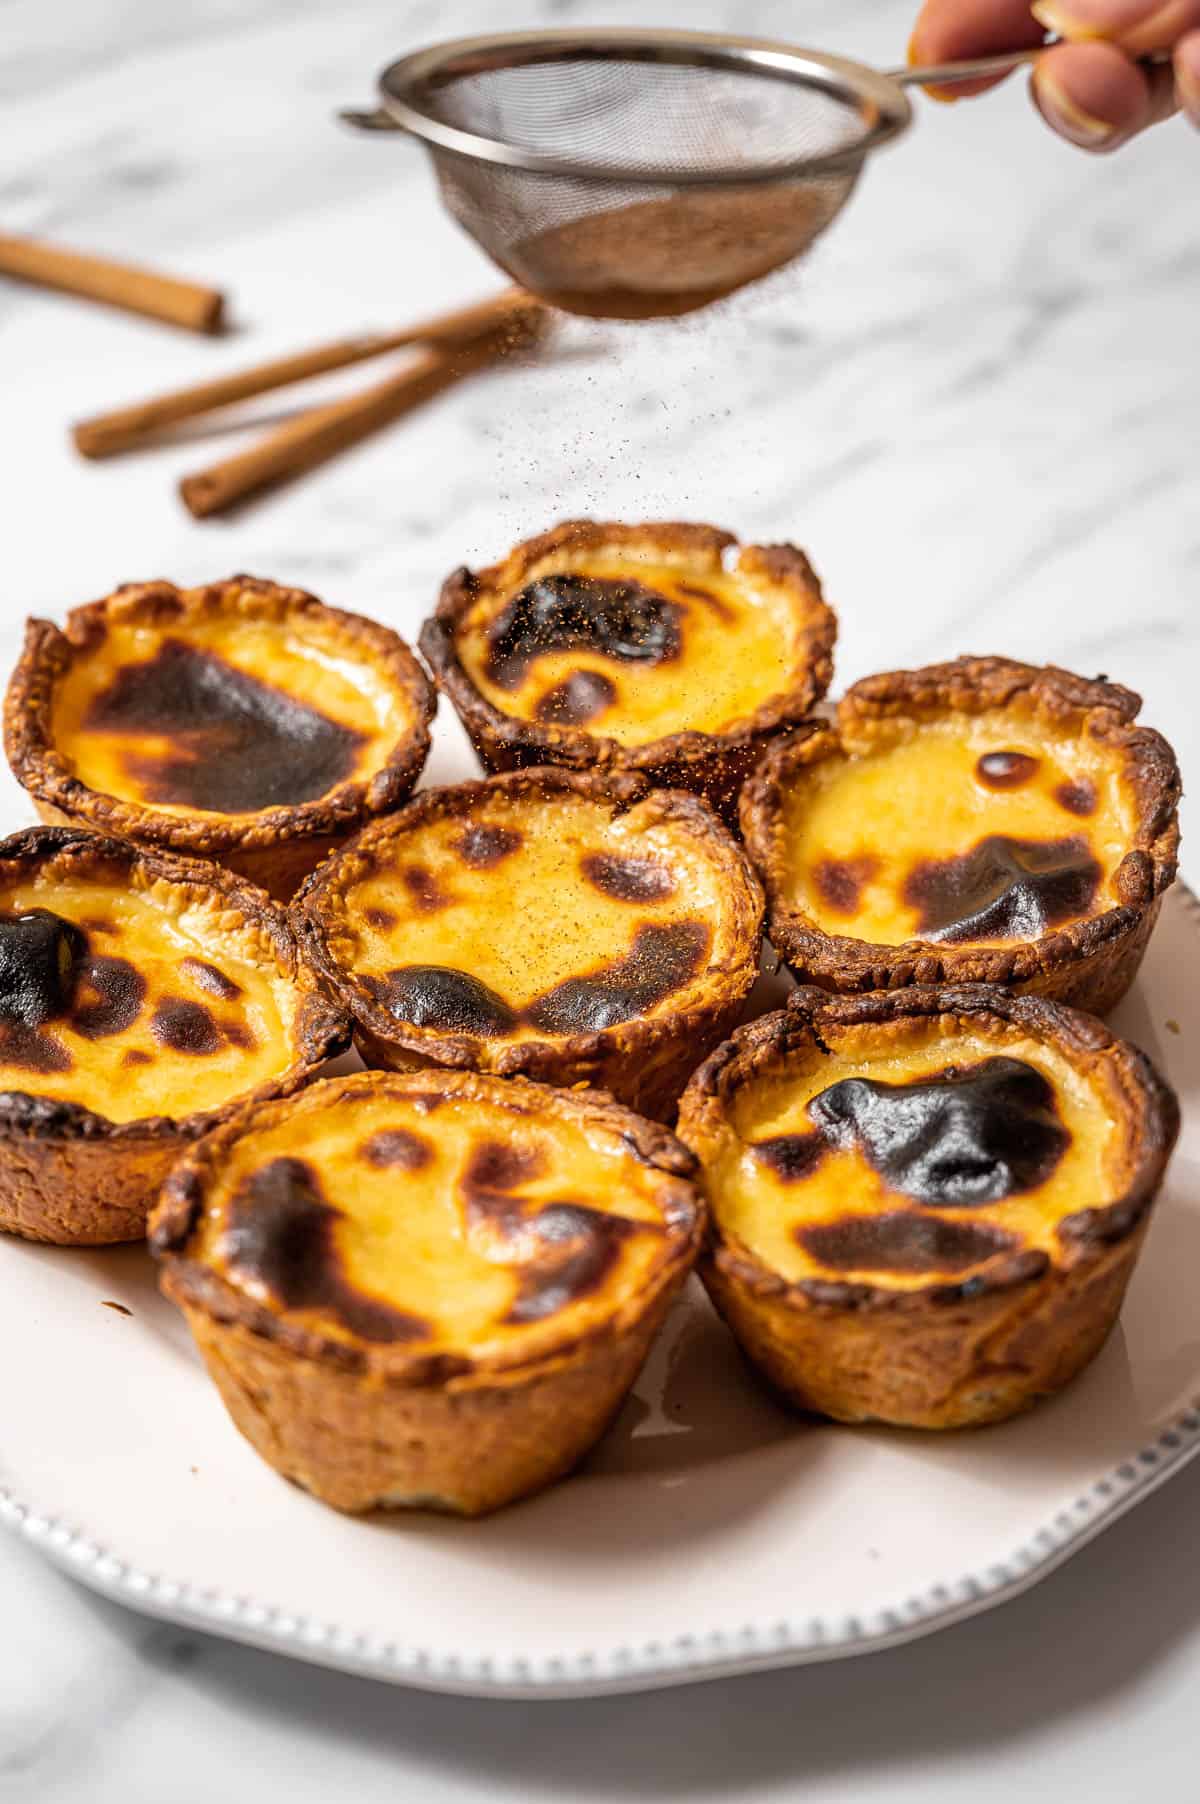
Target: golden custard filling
x: 223, y: 715
x: 535, y: 916
x: 135, y: 1003
x: 978, y: 829
x: 634, y: 647
x: 439, y: 1218
x: 915, y: 1166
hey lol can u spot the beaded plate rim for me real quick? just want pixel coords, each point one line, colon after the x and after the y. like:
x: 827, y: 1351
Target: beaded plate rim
x: 718, y: 1654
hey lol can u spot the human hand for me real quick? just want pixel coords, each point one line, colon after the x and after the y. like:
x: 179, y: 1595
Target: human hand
x: 1090, y: 88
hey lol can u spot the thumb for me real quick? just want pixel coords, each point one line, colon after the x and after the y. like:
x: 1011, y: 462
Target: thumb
x: 1096, y: 96
x: 1138, y: 26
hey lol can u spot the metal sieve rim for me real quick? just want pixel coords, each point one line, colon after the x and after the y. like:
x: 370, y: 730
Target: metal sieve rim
x: 404, y: 85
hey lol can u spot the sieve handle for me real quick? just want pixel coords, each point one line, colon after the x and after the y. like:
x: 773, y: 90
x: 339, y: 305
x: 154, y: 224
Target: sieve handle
x: 941, y: 75
x: 369, y: 119
x: 938, y: 75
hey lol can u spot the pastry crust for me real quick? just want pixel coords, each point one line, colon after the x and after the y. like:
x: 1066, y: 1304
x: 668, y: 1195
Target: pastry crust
x: 274, y: 846
x: 644, y: 1060
x: 69, y: 1174
x: 1089, y: 963
x: 466, y: 1423
x: 712, y: 764
x: 943, y: 1354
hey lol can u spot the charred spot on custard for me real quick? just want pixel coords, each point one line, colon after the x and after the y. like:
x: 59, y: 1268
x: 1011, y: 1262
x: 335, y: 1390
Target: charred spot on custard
x: 615, y: 617
x: 840, y: 881
x: 485, y: 844
x: 47, y: 972
x: 425, y: 893
x: 967, y: 1136
x: 109, y: 994
x: 903, y: 1240
x: 39, y: 955
x: 663, y: 958
x: 499, y: 1165
x: 1006, y: 770
x: 207, y: 977
x: 185, y: 1027
x: 1009, y: 889
x: 792, y: 1157
x: 1077, y: 797
x: 32, y: 1048
x: 382, y: 919
x: 578, y: 698
x: 495, y: 1214
x: 563, y: 1249
x: 628, y: 879
x: 442, y: 996
x: 279, y: 1232
x: 396, y: 1148
x: 135, y: 1056
x: 578, y: 1247
x: 237, y: 744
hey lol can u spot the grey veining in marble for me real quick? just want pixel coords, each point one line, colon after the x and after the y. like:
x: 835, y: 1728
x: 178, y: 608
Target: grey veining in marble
x: 976, y: 406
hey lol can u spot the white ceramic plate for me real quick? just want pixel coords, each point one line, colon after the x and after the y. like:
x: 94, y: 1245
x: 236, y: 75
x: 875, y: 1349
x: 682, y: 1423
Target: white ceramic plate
x: 709, y: 1533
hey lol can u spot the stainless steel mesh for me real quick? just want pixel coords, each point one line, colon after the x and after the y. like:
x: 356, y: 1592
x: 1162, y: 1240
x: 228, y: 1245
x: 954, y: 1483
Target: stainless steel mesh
x: 624, y: 115
x: 631, y: 174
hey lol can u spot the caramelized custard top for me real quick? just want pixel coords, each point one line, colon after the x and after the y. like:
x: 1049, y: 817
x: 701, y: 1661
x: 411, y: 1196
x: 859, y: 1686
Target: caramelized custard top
x: 136, y: 1000
x: 223, y: 714
x: 532, y: 915
x: 974, y: 829
x: 441, y: 1211
x: 913, y: 1162
x: 634, y: 648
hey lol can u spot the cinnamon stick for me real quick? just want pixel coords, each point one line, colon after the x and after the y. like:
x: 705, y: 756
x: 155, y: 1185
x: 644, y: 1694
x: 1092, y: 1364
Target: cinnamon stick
x: 187, y: 304
x: 320, y: 434
x: 127, y: 427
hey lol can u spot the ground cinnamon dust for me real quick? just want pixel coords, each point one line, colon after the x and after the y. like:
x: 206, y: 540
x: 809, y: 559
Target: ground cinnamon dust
x: 655, y: 259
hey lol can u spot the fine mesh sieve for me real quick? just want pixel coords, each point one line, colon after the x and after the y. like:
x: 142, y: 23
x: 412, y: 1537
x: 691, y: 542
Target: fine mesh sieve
x: 629, y: 174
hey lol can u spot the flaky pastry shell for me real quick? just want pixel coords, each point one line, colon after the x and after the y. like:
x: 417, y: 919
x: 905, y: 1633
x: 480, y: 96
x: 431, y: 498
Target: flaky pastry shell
x: 274, y: 846
x: 363, y: 1424
x: 644, y: 1060
x: 69, y: 1174
x: 711, y: 764
x: 945, y: 1353
x: 1089, y: 963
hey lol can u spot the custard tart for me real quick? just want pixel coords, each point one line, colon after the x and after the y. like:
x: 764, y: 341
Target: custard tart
x: 429, y: 1290
x: 241, y: 721
x: 143, y: 997
x: 926, y: 1205
x: 660, y: 648
x: 976, y: 822
x: 553, y: 924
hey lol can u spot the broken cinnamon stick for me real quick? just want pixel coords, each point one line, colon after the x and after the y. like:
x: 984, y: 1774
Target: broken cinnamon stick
x: 187, y: 304
x: 128, y: 427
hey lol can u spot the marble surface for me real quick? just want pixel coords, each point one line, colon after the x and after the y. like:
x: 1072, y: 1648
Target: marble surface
x: 975, y: 406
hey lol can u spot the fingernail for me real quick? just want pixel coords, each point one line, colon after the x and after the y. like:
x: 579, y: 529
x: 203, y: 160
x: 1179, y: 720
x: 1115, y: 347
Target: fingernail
x: 1049, y: 15
x: 916, y: 57
x: 1066, y: 117
x: 1133, y: 24
x: 1187, y: 76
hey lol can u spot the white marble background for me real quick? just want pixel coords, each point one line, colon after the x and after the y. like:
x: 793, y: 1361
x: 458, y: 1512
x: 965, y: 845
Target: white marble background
x: 977, y: 408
